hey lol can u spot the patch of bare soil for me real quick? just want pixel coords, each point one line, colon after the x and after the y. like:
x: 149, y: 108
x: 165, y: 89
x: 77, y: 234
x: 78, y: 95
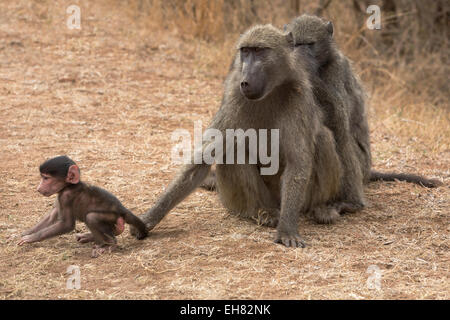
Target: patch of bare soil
x: 110, y: 98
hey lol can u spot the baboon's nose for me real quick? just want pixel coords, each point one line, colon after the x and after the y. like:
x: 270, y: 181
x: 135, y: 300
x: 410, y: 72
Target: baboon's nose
x: 244, y: 84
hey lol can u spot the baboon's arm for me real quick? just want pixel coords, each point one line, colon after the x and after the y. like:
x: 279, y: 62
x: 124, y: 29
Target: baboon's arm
x: 65, y: 223
x: 190, y: 177
x: 293, y: 197
x: 49, y: 219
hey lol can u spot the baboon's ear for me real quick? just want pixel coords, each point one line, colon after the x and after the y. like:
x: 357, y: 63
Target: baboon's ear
x: 329, y: 27
x: 290, y: 38
x: 73, y: 174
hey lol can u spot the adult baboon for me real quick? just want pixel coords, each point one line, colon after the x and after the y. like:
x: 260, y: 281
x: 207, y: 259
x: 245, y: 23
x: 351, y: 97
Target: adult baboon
x: 267, y: 89
x: 342, y: 98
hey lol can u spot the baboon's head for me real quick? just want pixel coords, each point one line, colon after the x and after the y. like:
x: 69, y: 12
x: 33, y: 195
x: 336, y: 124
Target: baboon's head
x: 312, y: 36
x: 263, y: 61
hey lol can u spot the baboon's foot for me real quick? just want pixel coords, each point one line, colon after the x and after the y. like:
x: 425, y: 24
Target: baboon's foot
x: 268, y: 217
x: 348, y: 207
x: 210, y: 182
x: 98, y: 250
x: 325, y: 214
x: 292, y: 240
x: 84, y: 237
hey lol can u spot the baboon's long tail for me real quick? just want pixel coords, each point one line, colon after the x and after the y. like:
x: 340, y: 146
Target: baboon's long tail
x: 131, y: 219
x: 210, y: 182
x: 391, y: 176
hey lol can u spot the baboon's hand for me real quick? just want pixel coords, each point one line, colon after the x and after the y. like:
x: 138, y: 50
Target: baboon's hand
x: 292, y: 240
x: 133, y: 231
x: 138, y: 234
x: 27, y: 239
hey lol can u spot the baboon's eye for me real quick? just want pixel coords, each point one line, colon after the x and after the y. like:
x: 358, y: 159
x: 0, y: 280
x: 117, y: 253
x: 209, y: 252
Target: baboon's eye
x: 260, y: 50
x: 309, y: 44
x: 245, y: 51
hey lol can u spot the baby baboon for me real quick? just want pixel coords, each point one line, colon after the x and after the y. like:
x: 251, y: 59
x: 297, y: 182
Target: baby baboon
x: 267, y: 89
x: 103, y: 213
x: 342, y: 98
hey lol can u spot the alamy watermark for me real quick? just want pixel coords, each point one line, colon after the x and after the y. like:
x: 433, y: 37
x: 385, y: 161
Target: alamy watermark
x: 241, y: 147
x: 74, y: 279
x: 374, y: 21
x: 74, y: 19
x: 374, y: 280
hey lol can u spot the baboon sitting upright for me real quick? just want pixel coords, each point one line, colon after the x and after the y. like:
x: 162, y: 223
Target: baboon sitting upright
x: 267, y: 89
x: 342, y: 98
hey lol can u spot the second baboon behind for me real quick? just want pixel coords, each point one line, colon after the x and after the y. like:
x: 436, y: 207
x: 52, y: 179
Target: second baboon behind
x: 267, y: 89
x: 342, y: 98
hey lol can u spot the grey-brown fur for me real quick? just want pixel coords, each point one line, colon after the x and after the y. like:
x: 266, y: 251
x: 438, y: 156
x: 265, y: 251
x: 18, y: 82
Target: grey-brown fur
x: 102, y: 212
x: 341, y: 96
x: 309, y: 174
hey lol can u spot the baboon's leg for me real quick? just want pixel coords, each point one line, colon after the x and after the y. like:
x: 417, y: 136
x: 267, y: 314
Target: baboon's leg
x: 329, y: 179
x: 119, y: 227
x: 351, y: 190
x: 102, y: 229
x: 359, y: 127
x: 243, y: 191
x: 351, y: 184
x: 293, y: 199
x: 189, y: 178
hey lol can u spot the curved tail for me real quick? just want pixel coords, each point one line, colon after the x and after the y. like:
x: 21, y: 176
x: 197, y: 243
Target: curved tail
x: 413, y: 178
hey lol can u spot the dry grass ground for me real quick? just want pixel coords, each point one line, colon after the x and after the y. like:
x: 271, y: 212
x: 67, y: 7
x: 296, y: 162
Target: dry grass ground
x: 110, y: 95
